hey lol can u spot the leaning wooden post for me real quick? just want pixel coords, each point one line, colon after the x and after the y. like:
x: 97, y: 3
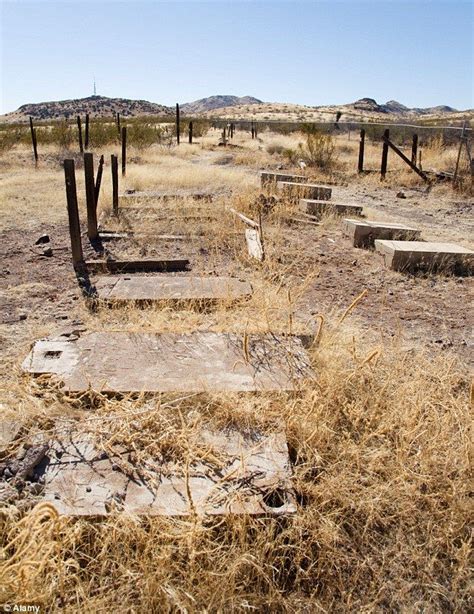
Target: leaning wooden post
x: 115, y: 198
x: 177, y: 124
x: 117, y: 119
x: 92, y: 232
x: 34, y: 141
x: 86, y: 139
x: 124, y: 150
x: 383, y: 166
x: 73, y: 214
x: 79, y: 127
x: 98, y: 180
x: 190, y: 133
x: 414, y: 149
x: 360, y: 166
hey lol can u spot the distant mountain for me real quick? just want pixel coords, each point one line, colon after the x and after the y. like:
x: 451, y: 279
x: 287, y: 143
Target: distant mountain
x: 96, y: 106
x: 233, y: 107
x: 217, y: 102
x: 392, y: 106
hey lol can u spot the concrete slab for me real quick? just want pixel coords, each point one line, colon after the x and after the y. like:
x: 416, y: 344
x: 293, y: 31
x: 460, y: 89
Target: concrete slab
x: 410, y: 255
x: 235, y: 473
x: 254, y: 243
x: 117, y: 288
x: 119, y: 362
x: 295, y: 191
x: 269, y: 177
x: 364, y: 232
x: 318, y: 208
x: 164, y: 196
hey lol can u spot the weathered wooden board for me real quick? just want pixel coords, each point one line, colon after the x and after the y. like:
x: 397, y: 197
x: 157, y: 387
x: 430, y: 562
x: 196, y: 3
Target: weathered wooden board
x: 239, y: 473
x: 171, y: 288
x: 268, y: 178
x: 129, y: 266
x: 318, y: 208
x: 364, y: 232
x: 296, y: 191
x: 408, y: 255
x: 170, y: 362
x: 254, y: 244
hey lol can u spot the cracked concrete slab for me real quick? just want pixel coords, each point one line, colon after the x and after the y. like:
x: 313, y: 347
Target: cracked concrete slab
x: 170, y: 362
x: 118, y: 288
x: 233, y: 473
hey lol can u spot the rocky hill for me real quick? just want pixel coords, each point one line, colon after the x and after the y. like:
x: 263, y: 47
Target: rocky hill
x: 96, y: 106
x: 217, y: 102
x: 235, y: 107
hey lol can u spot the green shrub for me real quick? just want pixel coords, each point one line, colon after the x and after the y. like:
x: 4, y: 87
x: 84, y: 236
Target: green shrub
x: 319, y: 150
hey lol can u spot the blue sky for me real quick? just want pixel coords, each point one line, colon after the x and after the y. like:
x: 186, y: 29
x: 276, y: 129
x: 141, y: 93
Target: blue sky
x: 310, y: 52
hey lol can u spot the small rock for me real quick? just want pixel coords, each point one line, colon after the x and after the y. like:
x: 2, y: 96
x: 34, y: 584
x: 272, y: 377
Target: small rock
x: 401, y: 195
x: 35, y: 489
x: 43, y: 239
x: 22, y: 316
x: 48, y: 252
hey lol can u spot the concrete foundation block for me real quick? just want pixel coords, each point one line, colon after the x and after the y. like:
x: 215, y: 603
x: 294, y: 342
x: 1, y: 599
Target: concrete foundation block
x: 295, y: 191
x: 432, y: 257
x: 319, y: 208
x: 268, y: 178
x: 364, y: 232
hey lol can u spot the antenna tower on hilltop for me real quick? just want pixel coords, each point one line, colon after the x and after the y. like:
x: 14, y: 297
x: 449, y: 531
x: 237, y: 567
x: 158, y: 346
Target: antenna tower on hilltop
x: 95, y: 89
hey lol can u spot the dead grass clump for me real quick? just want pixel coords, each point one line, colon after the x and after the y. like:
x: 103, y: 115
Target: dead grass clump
x: 380, y: 454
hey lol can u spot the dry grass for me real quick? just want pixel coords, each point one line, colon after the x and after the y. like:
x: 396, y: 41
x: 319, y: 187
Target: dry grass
x: 380, y: 445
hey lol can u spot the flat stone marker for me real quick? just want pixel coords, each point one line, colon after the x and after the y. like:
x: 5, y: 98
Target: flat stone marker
x: 269, y: 177
x: 296, y: 191
x: 319, y: 208
x: 171, y: 288
x: 170, y: 362
x: 408, y: 255
x: 363, y: 232
x: 254, y: 243
x: 239, y: 473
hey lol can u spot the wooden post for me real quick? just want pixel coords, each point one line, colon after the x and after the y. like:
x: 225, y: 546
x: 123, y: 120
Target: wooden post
x: 98, y: 180
x: 461, y: 141
x: 383, y: 166
x: 124, y: 150
x: 190, y: 133
x: 414, y: 149
x: 34, y: 141
x: 90, y: 196
x: 252, y: 130
x: 115, y: 198
x: 79, y: 127
x: 224, y: 140
x: 255, y: 129
x: 117, y: 119
x: 86, y: 139
x: 177, y: 124
x: 360, y: 167
x: 73, y: 213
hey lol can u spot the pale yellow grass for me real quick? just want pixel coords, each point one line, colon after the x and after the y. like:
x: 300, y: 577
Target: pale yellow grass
x: 379, y: 444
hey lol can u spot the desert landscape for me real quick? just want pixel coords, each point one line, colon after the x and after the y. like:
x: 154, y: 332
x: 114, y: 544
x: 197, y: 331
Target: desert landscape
x: 236, y: 335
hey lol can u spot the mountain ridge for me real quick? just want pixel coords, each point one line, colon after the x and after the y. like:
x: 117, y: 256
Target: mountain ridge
x: 226, y: 106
